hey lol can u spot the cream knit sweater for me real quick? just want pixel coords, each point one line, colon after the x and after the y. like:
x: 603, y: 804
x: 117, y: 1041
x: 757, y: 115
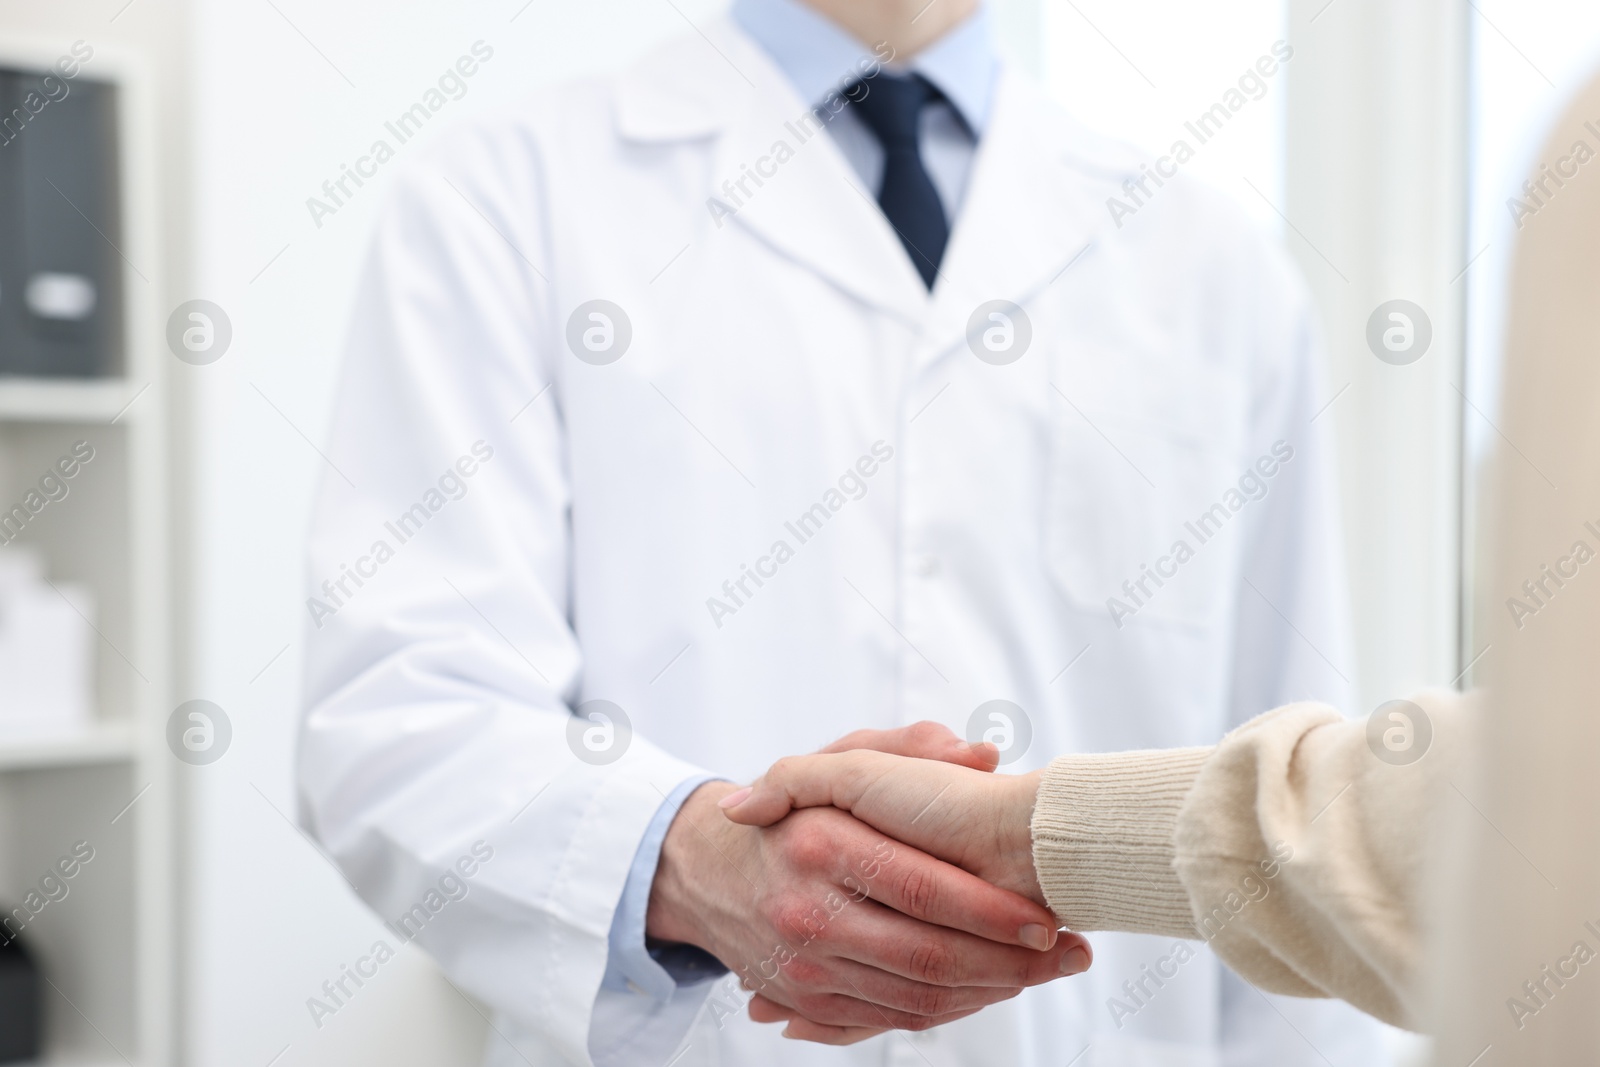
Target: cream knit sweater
x: 1292, y: 847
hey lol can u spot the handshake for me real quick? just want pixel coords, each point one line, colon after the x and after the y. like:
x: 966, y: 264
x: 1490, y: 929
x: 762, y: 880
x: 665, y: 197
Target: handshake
x: 886, y: 882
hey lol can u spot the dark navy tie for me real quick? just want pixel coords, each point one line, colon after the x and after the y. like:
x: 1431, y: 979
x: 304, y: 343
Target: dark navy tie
x: 891, y: 106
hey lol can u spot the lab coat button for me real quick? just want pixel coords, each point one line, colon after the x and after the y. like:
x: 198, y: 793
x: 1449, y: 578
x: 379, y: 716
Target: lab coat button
x: 926, y: 566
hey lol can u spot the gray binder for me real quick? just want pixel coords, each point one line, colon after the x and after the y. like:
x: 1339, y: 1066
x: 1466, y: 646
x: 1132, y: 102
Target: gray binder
x: 60, y: 270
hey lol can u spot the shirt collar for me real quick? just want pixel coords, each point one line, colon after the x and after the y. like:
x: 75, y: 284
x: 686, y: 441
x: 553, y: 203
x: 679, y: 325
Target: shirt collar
x: 819, y: 58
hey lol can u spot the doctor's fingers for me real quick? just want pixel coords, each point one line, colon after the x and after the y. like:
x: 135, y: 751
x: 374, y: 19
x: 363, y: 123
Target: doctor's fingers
x: 800, y: 1028
x: 896, y: 994
x: 805, y: 1030
x: 883, y: 938
x: 922, y: 740
x: 854, y: 1007
x: 921, y: 887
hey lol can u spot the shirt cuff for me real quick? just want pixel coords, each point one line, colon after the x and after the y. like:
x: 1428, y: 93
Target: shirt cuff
x: 632, y: 965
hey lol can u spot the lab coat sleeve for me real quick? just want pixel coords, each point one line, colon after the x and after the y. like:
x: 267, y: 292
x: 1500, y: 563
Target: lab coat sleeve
x: 440, y: 762
x: 1291, y: 624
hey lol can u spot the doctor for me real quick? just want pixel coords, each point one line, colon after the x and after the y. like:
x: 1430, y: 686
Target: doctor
x: 799, y: 381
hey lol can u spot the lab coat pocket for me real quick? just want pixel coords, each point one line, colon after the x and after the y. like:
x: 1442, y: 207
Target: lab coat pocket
x: 1139, y: 521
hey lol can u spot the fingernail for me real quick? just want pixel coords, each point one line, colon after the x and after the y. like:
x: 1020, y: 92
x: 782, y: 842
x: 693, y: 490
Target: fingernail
x: 735, y: 798
x: 1075, y: 961
x: 1036, y: 936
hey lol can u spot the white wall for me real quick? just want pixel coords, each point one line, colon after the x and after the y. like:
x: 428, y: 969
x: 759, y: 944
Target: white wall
x: 269, y: 919
x: 1375, y: 197
x: 1138, y: 72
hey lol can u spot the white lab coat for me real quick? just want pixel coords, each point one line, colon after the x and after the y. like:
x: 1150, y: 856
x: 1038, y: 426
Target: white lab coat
x: 771, y: 349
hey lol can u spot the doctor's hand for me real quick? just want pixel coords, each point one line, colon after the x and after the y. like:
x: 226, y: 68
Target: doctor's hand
x: 842, y: 931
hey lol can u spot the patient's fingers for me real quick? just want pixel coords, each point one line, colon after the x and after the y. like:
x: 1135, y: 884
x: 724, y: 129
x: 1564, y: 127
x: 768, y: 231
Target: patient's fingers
x: 924, y: 740
x: 839, y: 781
x: 826, y: 780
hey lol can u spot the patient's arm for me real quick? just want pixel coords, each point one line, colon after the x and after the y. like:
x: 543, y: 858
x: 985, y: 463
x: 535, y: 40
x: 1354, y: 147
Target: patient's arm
x: 1294, y: 847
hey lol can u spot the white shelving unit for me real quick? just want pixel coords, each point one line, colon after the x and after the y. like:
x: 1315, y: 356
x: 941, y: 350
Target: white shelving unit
x: 106, y: 947
x: 39, y: 400
x: 106, y: 742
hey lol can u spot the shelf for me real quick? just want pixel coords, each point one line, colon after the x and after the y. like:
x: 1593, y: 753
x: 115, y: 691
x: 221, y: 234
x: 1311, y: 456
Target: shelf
x: 114, y: 946
x: 104, y: 743
x: 66, y: 400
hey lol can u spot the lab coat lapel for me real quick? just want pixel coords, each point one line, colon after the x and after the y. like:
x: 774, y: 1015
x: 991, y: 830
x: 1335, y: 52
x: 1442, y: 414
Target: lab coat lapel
x: 1035, y: 205
x: 812, y: 208
x: 775, y: 171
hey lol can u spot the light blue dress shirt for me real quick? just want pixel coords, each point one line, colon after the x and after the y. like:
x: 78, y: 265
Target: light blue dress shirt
x: 819, y: 59
x: 630, y: 963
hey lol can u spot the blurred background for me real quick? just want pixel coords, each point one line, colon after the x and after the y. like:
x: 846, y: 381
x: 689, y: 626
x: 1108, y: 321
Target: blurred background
x: 171, y: 318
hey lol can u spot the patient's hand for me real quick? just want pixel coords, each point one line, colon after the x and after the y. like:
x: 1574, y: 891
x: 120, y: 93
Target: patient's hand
x: 978, y: 821
x: 973, y: 819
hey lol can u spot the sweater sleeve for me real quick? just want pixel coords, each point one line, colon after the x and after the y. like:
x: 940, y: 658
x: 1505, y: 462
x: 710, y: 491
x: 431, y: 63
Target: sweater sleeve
x: 1295, y: 848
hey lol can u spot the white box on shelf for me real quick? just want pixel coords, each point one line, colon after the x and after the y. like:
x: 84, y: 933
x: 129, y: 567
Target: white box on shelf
x: 46, y: 659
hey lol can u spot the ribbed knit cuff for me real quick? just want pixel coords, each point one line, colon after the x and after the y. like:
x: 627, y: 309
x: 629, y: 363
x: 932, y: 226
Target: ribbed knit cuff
x: 1103, y: 840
